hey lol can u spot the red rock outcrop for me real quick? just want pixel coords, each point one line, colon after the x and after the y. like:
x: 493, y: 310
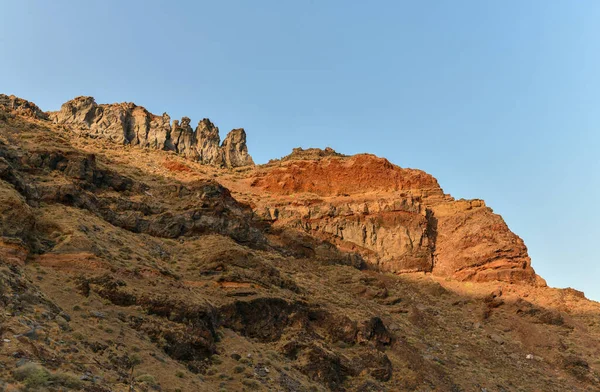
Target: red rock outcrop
x: 123, y: 268
x: 473, y: 243
x: 398, y: 219
x: 337, y: 175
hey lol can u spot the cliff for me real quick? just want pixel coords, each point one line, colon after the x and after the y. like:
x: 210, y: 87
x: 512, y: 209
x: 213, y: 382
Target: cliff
x: 399, y: 220
x: 396, y: 219
x: 133, y: 257
x: 129, y: 124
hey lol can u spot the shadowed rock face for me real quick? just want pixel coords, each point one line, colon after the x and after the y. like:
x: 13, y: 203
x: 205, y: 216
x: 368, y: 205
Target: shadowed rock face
x: 127, y: 123
x: 16, y: 222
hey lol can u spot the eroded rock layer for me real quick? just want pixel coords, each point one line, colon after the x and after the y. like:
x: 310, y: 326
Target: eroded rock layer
x: 398, y: 219
x: 129, y: 124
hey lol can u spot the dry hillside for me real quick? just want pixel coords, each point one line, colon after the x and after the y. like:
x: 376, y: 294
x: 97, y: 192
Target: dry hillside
x: 136, y: 255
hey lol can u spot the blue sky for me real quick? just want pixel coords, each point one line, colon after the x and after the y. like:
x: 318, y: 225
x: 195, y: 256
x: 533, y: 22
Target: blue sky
x: 498, y: 100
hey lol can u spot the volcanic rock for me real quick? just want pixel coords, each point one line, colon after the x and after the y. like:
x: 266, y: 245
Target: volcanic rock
x: 127, y: 123
x: 234, y: 149
x: 399, y: 220
x: 184, y: 139
x: 208, y: 143
x: 145, y: 270
x: 16, y: 224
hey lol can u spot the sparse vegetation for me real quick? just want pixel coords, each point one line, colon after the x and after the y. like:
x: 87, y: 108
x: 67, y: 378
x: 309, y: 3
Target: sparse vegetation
x: 252, y: 305
x: 239, y: 369
x: 147, y: 379
x: 35, y: 377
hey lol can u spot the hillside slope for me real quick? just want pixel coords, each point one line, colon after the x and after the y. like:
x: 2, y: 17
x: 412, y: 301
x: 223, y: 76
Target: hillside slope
x: 130, y: 267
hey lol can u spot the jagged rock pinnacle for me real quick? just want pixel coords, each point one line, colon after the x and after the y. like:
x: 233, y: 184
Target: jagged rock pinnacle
x: 127, y: 123
x: 235, y: 151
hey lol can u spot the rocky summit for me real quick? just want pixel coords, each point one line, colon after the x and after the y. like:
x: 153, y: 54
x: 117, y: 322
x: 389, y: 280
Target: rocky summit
x: 129, y: 124
x: 140, y: 254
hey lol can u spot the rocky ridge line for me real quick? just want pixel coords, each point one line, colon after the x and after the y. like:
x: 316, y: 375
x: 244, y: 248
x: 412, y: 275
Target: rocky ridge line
x: 129, y: 124
x: 397, y: 219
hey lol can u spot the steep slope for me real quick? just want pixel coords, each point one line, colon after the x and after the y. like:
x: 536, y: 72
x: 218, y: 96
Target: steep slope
x: 144, y: 269
x: 397, y: 219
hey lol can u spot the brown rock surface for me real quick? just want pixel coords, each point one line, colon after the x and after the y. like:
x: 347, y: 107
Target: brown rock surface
x: 184, y: 139
x: 334, y: 175
x: 127, y: 268
x: 16, y: 224
x: 123, y: 123
x: 473, y: 243
x: 398, y: 219
x: 21, y: 106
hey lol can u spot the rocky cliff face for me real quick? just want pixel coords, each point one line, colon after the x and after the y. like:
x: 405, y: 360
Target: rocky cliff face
x: 22, y: 107
x: 130, y: 269
x: 129, y: 124
x: 235, y: 151
x: 398, y: 219
x: 208, y: 142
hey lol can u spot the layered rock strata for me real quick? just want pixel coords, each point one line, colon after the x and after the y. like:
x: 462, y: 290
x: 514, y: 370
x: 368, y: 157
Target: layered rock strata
x: 119, y: 273
x: 398, y: 219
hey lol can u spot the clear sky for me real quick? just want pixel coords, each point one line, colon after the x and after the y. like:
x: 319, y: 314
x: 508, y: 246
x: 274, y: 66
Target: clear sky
x: 499, y: 100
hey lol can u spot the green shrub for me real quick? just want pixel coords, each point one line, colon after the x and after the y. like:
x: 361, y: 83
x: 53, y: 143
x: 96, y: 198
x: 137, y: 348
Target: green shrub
x: 67, y: 380
x: 32, y: 375
x: 239, y: 369
x: 146, y: 378
x: 251, y: 384
x: 35, y: 377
